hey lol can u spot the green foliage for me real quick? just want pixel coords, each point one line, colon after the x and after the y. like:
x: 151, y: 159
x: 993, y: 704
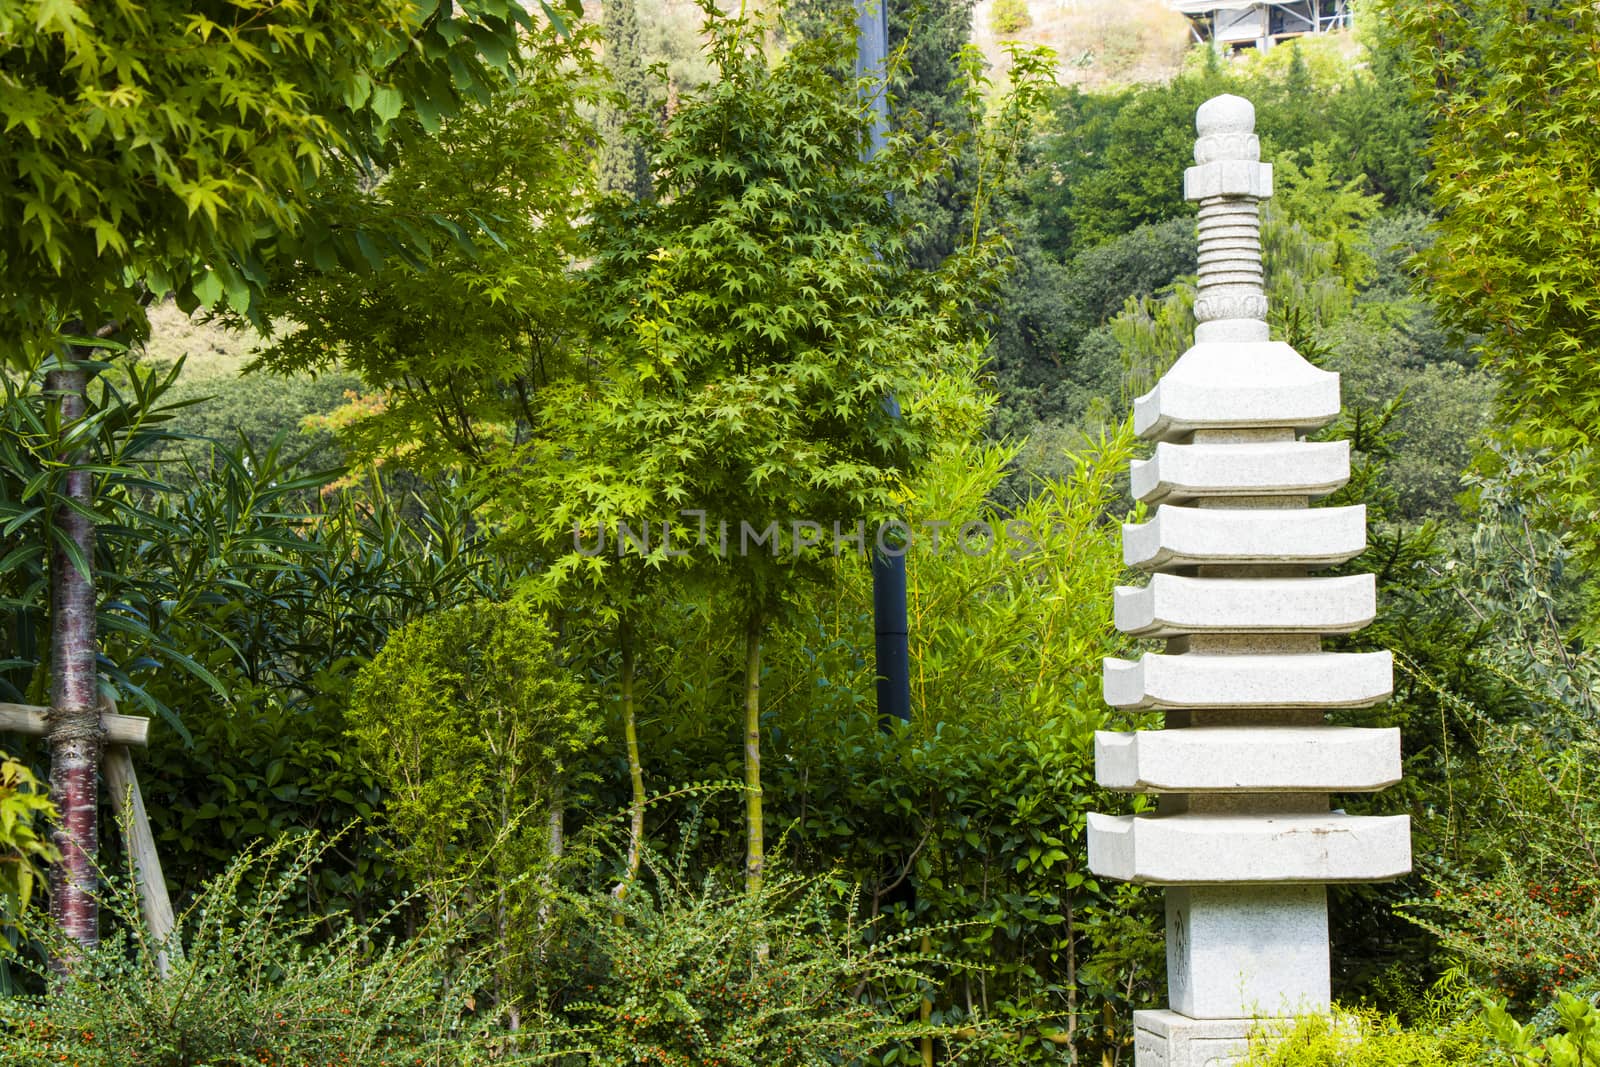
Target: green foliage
x: 1509, y: 90
x: 239, y: 608
x: 1509, y: 820
x: 1488, y: 1035
x: 122, y: 423
x: 24, y: 811
x: 458, y: 344
x: 730, y: 347
x: 474, y: 730
x: 623, y: 166
x: 1327, y: 210
x: 927, y: 84
x: 685, y: 975
x: 1138, y: 286
x: 260, y: 409
x: 926, y: 40
x: 280, y: 595
x: 1378, y: 126
x: 1013, y: 623
x: 1522, y: 900
x: 218, y: 402
x: 1446, y: 408
x: 472, y: 725
x: 984, y: 829
x: 1368, y: 1039
x: 1111, y: 162
x: 755, y: 317
x: 152, y: 148
x: 1577, y: 1044
x: 766, y: 351
x: 930, y: 78
x: 973, y: 815
x: 244, y: 984
x: 1114, y: 163
x: 1051, y: 358
x: 1389, y: 344
x: 1309, y: 285
x: 673, y: 54
x: 1008, y: 17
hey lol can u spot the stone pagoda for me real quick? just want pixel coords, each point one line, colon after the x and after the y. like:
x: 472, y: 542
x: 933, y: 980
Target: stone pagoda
x: 1243, y: 836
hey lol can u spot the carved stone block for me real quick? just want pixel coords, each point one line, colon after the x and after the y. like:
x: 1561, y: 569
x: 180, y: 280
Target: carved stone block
x: 1167, y: 1039
x: 1228, y: 177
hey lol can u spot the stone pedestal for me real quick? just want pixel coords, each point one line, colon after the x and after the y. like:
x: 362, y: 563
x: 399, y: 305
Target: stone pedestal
x: 1237, y: 952
x: 1243, y: 835
x: 1168, y: 1039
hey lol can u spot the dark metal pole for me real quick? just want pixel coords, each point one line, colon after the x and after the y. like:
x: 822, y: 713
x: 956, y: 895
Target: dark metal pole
x: 888, y: 570
x: 872, y: 51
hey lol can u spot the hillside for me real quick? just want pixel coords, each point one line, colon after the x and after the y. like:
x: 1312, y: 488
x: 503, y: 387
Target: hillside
x: 1098, y: 43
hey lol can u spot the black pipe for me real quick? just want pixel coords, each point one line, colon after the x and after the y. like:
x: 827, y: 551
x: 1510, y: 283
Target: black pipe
x: 888, y: 567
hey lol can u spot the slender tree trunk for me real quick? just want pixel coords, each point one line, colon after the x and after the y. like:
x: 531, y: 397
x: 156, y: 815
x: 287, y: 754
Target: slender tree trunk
x: 558, y: 829
x: 74, y: 734
x: 1072, y: 975
x: 755, y: 841
x: 630, y: 732
x: 927, y: 1011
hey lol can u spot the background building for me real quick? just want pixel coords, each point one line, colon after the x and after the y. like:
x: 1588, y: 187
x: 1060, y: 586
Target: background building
x: 1236, y: 24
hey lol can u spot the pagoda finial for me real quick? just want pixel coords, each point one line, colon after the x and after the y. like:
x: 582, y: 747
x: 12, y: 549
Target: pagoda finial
x: 1230, y: 181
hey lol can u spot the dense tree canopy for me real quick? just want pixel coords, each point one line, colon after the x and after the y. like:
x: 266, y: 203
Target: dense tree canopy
x: 1511, y: 92
x: 156, y: 147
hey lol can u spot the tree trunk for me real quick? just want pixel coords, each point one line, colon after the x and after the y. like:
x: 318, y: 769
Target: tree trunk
x: 630, y: 732
x: 927, y: 1011
x: 755, y: 842
x: 74, y: 724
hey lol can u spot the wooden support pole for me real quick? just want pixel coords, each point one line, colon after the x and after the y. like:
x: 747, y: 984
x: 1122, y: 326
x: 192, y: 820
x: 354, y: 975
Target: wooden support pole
x: 29, y: 720
x: 128, y: 805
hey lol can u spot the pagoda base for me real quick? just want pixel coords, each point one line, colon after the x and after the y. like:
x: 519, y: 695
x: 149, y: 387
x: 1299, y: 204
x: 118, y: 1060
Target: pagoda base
x: 1167, y: 1039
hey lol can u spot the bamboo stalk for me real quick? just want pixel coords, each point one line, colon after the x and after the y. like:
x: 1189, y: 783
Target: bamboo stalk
x: 755, y: 842
x: 630, y: 730
x: 927, y: 1011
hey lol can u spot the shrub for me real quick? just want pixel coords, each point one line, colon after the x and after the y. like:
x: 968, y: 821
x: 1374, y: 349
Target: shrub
x: 1364, y: 1040
x: 1486, y: 1034
x: 23, y: 807
x: 473, y: 726
x: 1009, y: 16
x: 714, y: 976
x: 1516, y: 890
x: 245, y: 985
x: 971, y: 819
x: 1577, y: 1043
x: 280, y: 596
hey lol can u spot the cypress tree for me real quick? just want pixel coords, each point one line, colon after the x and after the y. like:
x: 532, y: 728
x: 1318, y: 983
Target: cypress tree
x: 925, y: 95
x: 623, y: 166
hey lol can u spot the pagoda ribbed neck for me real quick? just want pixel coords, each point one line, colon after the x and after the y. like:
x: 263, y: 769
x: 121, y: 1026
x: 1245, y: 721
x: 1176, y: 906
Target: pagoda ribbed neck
x: 1229, y: 181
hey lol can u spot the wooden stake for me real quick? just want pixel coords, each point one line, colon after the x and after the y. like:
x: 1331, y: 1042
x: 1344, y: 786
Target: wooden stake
x: 128, y: 805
